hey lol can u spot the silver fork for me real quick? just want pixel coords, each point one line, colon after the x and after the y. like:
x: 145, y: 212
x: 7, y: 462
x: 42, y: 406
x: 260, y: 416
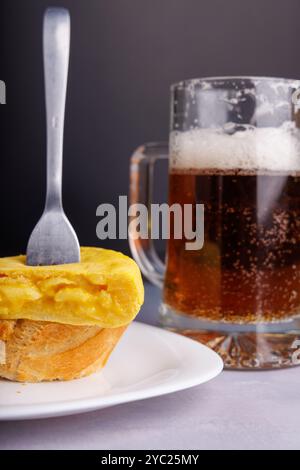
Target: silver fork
x: 53, y: 240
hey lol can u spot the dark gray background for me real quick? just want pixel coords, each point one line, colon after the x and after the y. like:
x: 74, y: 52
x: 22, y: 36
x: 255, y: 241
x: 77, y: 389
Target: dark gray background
x: 124, y: 56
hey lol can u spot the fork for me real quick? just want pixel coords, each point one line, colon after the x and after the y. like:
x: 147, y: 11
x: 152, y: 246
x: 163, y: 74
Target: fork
x: 53, y: 240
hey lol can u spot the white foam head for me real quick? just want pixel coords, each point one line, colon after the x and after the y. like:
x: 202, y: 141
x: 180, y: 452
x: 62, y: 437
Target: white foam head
x: 252, y: 149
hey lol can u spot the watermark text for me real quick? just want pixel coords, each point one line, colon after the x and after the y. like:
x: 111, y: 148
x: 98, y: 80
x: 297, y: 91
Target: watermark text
x: 157, y: 222
x: 2, y: 92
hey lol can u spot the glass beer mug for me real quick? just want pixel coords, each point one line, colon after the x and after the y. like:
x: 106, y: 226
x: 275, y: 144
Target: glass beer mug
x: 235, y: 148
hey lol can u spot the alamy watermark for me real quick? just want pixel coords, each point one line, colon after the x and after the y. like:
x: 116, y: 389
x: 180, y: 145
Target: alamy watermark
x: 158, y: 222
x: 2, y: 92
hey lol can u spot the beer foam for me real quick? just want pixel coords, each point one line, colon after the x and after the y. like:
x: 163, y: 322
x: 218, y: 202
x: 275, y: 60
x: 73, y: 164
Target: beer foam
x: 259, y: 149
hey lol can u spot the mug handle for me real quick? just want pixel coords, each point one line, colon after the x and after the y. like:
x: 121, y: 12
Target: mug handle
x: 141, y: 192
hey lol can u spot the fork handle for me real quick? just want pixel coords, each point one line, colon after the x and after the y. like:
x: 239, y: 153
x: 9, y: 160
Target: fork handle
x: 56, y: 39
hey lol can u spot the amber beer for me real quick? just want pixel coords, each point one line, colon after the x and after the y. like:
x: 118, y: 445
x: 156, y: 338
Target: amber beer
x: 234, y: 148
x: 248, y: 270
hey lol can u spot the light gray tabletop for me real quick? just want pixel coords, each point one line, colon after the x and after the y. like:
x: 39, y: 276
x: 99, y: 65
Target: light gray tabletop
x: 237, y: 410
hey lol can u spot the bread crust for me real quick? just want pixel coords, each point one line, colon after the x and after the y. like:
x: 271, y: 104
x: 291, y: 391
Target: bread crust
x: 38, y: 351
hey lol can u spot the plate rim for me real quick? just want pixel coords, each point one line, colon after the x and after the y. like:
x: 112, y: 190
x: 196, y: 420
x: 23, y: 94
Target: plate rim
x: 84, y: 405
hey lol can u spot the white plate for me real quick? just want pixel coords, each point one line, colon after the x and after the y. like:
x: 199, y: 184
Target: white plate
x: 147, y: 362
